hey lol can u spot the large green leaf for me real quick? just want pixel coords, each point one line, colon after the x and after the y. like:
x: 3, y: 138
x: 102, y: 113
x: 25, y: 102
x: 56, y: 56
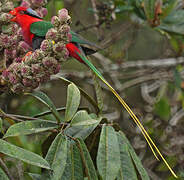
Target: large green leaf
x: 135, y: 158
x: 30, y: 127
x: 73, y: 101
x: 46, y: 100
x: 82, y: 125
x: 87, y: 161
x: 77, y: 168
x: 127, y: 170
x: 174, y: 22
x: 175, y: 17
x: 57, y: 156
x: 22, y: 154
x: 168, y: 8
x: 108, y: 157
x: 3, y: 175
x: 67, y: 174
x: 84, y: 93
x: 149, y: 8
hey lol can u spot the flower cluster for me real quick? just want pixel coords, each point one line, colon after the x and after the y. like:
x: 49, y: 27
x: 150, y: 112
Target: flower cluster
x: 24, y: 74
x: 37, y: 5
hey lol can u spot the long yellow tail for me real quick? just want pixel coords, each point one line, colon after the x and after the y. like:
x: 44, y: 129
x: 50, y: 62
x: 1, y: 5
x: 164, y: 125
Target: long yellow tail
x: 136, y: 120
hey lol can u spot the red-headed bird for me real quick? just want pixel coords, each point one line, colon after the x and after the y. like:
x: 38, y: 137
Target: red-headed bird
x: 34, y: 29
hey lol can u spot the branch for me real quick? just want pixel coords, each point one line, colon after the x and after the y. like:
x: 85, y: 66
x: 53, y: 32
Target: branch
x: 155, y: 63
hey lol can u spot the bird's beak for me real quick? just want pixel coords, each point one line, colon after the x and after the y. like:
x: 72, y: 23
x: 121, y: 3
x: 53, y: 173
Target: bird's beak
x: 13, y: 13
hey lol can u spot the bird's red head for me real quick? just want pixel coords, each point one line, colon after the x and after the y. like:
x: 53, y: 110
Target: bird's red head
x: 17, y: 12
x: 20, y: 12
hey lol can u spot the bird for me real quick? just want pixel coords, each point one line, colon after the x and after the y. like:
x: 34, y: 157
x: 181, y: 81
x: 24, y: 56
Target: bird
x: 29, y: 21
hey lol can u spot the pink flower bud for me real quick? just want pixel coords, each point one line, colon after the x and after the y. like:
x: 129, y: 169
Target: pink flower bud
x: 23, y: 47
x: 5, y: 17
x: 12, y: 78
x: 43, y: 12
x: 18, y: 59
x: 46, y: 45
x: 55, y: 21
x: 63, y: 14
x: 27, y: 82
x: 52, y: 34
x: 49, y: 61
x: 57, y: 69
x: 38, y: 3
x: 69, y: 37
x: 35, y: 68
x: 5, y: 73
x: 25, y: 70
x: 64, y: 29
x: 66, y: 54
x: 25, y: 4
x: 58, y: 47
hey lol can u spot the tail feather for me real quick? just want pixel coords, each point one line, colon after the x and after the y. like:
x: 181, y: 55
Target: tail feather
x: 124, y: 104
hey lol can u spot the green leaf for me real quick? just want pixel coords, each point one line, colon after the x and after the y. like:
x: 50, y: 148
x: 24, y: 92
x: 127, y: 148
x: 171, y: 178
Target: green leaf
x: 77, y: 168
x: 22, y: 154
x: 46, y: 100
x: 135, y: 158
x: 30, y: 127
x: 175, y: 44
x: 82, y: 118
x: 127, y: 170
x: 87, y: 161
x: 35, y: 176
x: 3, y: 175
x: 162, y: 108
x: 108, y: 157
x: 168, y: 8
x: 175, y: 17
x: 174, y: 22
x: 84, y: 93
x: 73, y: 101
x: 82, y: 125
x: 98, y: 91
x: 67, y: 174
x: 120, y: 9
x: 149, y: 8
x: 57, y: 156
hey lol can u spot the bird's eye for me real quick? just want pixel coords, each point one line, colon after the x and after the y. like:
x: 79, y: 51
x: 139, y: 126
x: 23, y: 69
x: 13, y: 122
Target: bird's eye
x: 21, y: 12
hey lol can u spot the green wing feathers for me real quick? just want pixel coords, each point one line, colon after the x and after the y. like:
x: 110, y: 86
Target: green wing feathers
x: 40, y: 28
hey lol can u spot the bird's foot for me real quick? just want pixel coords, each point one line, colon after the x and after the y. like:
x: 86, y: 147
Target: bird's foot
x: 27, y: 54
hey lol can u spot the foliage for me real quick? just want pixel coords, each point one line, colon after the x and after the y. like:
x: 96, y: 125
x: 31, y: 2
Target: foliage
x: 68, y: 154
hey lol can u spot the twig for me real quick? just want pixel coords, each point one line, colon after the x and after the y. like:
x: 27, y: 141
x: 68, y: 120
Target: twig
x: 175, y: 119
x: 88, y: 27
x: 99, y: 32
x: 156, y: 76
x: 6, y: 170
x: 115, y: 36
x: 155, y: 63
